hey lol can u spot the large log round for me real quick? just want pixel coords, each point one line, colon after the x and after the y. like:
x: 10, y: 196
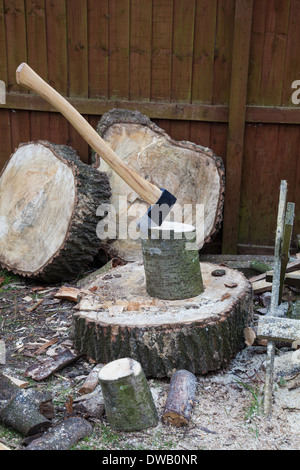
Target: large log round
x: 199, y: 334
x: 48, y: 202
x: 194, y: 174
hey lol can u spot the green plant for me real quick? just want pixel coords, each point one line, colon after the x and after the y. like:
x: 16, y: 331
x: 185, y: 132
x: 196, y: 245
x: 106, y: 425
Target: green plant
x: 256, y: 405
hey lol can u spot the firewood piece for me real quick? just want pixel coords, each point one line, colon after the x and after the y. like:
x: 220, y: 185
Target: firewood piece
x: 91, y: 381
x: 278, y: 329
x: 290, y: 279
x: 172, y: 266
x: 46, y: 185
x: 68, y: 293
x: 180, y: 400
x: 191, y: 172
x: 23, y: 409
x: 42, y: 370
x: 261, y: 286
x: 63, y: 436
x: 291, y: 267
x: 90, y: 405
x: 128, y: 400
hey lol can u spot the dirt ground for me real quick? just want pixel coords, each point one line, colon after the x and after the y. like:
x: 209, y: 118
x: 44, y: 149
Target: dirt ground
x: 228, y: 410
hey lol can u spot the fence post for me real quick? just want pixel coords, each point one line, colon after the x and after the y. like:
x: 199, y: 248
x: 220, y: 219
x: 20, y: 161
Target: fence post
x: 236, y: 124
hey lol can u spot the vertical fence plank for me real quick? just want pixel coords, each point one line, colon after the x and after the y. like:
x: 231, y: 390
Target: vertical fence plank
x: 56, y: 27
x: 273, y: 60
x: 98, y: 17
x: 3, y: 61
x: 16, y: 50
x: 236, y: 125
x: 183, y: 41
x: 77, y: 65
x: 119, y: 49
x: 292, y: 61
x: 140, y: 49
x: 162, y: 15
x: 223, y: 51
x: 5, y: 130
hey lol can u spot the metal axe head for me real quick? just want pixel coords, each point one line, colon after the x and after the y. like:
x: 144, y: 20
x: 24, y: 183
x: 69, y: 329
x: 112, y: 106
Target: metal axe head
x: 157, y: 213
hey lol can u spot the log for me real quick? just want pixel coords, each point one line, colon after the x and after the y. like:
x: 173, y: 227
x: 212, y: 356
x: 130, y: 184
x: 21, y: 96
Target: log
x: 127, y: 397
x: 42, y: 370
x: 91, y: 404
x: 180, y: 400
x: 194, y: 174
x: 91, y: 381
x: 24, y: 410
x: 63, y: 436
x: 200, y: 334
x: 45, y: 185
x: 171, y: 262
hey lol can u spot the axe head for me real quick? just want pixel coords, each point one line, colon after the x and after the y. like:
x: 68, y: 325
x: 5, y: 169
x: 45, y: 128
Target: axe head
x: 157, y: 213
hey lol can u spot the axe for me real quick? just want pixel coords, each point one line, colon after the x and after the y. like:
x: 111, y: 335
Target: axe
x: 161, y: 201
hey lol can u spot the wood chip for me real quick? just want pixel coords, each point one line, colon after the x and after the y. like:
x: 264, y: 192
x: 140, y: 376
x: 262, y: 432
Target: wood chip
x: 45, y: 346
x: 68, y: 293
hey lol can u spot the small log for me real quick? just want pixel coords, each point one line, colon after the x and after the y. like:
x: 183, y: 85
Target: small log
x: 180, y: 400
x: 91, y: 405
x: 48, y: 220
x: 171, y: 262
x: 24, y: 410
x: 91, y: 381
x: 63, y: 436
x: 42, y: 370
x: 128, y: 400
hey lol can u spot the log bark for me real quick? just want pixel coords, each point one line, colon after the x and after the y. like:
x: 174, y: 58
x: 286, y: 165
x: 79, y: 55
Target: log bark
x: 171, y: 262
x: 48, y: 202
x: 200, y: 334
x: 24, y: 410
x: 63, y: 436
x: 127, y: 397
x: 180, y: 400
x: 44, y: 369
x: 194, y: 174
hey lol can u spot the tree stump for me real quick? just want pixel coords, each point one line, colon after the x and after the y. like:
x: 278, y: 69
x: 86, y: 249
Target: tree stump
x: 201, y: 334
x: 48, y: 202
x: 194, y: 174
x: 128, y: 401
x: 171, y: 262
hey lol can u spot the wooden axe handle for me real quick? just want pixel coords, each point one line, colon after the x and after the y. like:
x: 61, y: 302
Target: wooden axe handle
x: 30, y: 79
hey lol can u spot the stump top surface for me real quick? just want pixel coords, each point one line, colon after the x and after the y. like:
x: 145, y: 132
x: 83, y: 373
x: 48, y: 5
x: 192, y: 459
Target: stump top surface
x: 121, y: 298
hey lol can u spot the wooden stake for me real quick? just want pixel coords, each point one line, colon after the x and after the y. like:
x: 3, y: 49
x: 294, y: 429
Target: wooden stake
x: 275, y: 296
x: 288, y: 228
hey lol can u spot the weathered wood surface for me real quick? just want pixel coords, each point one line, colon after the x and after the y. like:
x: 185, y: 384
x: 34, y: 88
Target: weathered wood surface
x: 199, y: 334
x: 26, y: 411
x: 48, y: 202
x: 180, y: 400
x: 191, y: 172
x: 127, y: 396
x: 42, y: 370
x: 278, y: 329
x: 62, y: 436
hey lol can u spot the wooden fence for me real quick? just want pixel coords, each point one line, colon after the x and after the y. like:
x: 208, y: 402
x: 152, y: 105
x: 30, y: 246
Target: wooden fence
x: 215, y: 72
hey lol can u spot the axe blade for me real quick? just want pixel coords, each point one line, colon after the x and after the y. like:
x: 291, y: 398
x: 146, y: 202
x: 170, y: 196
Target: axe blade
x: 157, y: 213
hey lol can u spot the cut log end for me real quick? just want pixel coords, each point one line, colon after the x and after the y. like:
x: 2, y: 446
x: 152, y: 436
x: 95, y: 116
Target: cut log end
x: 48, y: 201
x: 194, y: 174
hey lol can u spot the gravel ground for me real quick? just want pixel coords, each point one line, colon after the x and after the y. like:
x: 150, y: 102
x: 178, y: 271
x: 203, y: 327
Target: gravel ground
x: 228, y: 409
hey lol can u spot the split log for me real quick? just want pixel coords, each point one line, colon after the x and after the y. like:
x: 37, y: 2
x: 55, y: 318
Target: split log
x: 180, y: 400
x: 91, y: 381
x: 24, y: 410
x: 90, y: 405
x: 127, y: 397
x: 200, y: 334
x: 194, y: 174
x: 48, y: 202
x: 171, y: 262
x: 42, y: 370
x: 63, y: 436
